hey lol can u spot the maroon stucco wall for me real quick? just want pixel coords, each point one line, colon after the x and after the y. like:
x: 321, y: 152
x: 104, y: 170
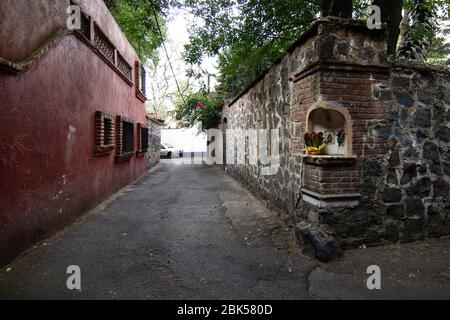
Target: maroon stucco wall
x: 48, y: 175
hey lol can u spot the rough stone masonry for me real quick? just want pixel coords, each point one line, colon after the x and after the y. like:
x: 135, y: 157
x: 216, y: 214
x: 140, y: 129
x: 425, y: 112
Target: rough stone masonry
x: 391, y: 182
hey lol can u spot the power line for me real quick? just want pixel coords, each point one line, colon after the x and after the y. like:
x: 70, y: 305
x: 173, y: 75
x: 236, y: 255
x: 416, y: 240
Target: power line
x: 165, y: 50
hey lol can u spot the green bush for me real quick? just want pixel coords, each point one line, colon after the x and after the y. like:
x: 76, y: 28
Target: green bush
x: 203, y: 107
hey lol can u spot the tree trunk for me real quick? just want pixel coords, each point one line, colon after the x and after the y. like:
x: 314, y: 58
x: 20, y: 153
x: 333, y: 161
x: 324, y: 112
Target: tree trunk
x: 404, y: 24
x: 391, y: 14
x: 337, y: 8
x: 109, y: 3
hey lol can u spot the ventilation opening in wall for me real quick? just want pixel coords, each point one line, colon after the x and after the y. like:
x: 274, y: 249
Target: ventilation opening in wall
x: 127, y: 137
x: 144, y: 137
x: 104, y: 134
x: 142, y: 140
x: 108, y: 135
x: 334, y: 127
x: 124, y: 139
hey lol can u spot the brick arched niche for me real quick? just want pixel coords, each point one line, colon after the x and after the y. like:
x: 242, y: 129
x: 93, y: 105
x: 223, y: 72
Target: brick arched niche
x: 331, y: 180
x: 328, y: 117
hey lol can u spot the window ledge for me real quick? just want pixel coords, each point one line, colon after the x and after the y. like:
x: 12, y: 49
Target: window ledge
x: 100, y: 151
x: 141, y: 96
x: 329, y: 160
x: 330, y: 200
x: 124, y: 157
x: 141, y: 153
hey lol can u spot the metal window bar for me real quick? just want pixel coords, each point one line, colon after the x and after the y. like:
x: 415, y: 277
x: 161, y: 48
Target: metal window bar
x: 143, y: 80
x: 107, y: 137
x: 124, y: 67
x: 144, y: 139
x: 103, y: 44
x: 127, y: 137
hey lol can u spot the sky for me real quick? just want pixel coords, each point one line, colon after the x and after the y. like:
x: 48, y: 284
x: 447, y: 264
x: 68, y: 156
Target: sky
x: 178, y: 36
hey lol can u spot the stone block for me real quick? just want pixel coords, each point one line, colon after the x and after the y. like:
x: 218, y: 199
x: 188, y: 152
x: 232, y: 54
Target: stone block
x: 431, y: 151
x: 422, y: 118
x: 391, y: 195
x: 396, y: 211
x: 414, y: 207
x: 320, y: 239
x: 440, y: 188
x: 422, y: 187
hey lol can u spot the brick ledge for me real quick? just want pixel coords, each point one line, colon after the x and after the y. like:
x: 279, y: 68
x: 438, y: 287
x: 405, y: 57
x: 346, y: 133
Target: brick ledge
x: 330, y: 200
x: 325, y: 160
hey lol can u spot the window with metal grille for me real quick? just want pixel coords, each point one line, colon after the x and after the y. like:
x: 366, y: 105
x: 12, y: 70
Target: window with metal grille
x: 142, y: 140
x: 103, y: 44
x: 124, y: 67
x: 91, y: 33
x: 85, y: 23
x: 104, y: 134
x: 143, y: 76
x: 140, y: 81
x: 144, y: 137
x: 124, y: 139
x: 127, y: 136
x: 108, y: 133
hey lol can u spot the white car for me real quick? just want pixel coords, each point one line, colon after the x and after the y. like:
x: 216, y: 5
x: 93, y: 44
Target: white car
x: 169, y: 151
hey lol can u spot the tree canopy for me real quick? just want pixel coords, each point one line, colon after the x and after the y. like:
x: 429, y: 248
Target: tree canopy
x: 421, y: 36
x: 246, y: 36
x: 141, y: 21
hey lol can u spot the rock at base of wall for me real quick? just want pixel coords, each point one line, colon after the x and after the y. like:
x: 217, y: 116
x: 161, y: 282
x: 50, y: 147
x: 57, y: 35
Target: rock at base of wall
x: 320, y: 241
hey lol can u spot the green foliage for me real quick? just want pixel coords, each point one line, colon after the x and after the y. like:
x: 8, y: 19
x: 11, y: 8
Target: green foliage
x: 421, y: 38
x: 314, y: 139
x: 241, y: 64
x: 439, y: 51
x: 246, y: 35
x: 418, y: 35
x: 137, y: 21
x: 340, y: 133
x: 202, y: 107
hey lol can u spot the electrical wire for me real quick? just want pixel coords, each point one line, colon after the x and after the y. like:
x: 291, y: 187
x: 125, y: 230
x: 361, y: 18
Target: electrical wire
x: 165, y: 50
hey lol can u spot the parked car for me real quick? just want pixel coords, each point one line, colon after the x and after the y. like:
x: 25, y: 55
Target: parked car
x: 169, y: 151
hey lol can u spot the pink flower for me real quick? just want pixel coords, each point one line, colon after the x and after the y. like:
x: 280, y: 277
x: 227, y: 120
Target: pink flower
x: 200, y: 104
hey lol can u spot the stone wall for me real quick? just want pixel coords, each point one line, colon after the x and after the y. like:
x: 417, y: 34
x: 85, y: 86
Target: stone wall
x: 391, y: 183
x: 154, y: 142
x: 415, y: 176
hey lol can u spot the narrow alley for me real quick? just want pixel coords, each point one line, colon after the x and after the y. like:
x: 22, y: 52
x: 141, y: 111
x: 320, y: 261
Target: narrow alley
x: 191, y: 232
x: 170, y: 235
x: 321, y: 130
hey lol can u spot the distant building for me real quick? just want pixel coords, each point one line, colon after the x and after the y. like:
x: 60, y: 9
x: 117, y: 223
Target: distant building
x: 189, y: 139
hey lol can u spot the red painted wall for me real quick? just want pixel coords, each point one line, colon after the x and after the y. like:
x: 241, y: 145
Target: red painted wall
x: 48, y: 175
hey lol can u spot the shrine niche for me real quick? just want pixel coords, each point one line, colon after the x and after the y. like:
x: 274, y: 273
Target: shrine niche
x: 334, y: 123
x: 330, y: 177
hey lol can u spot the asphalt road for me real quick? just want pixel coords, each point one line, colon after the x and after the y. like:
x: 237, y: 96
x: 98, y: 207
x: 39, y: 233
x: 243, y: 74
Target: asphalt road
x: 180, y: 232
x: 192, y: 232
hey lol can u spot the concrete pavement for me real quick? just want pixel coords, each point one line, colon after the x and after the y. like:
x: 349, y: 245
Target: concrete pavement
x: 191, y: 232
